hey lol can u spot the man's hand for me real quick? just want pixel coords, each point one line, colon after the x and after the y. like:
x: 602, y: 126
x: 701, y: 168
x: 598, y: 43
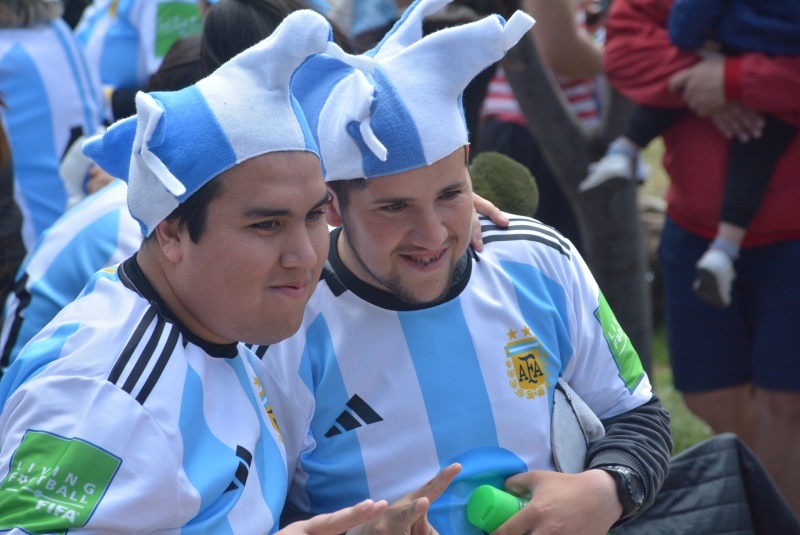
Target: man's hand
x: 487, y: 208
x: 408, y: 515
x: 338, y: 522
x: 739, y: 121
x: 702, y: 86
x: 578, y: 504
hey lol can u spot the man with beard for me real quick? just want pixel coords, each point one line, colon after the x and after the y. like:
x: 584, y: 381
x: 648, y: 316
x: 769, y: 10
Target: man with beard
x: 416, y: 351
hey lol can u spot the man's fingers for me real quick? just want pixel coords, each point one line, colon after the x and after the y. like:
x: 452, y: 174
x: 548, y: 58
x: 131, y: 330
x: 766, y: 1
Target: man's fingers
x: 339, y: 521
x: 521, y: 484
x: 401, y: 518
x: 436, y: 486
x: 739, y: 121
x: 415, y: 512
x: 476, y: 238
x: 421, y: 525
x: 748, y: 120
x: 723, y: 124
x: 487, y: 208
x: 678, y: 81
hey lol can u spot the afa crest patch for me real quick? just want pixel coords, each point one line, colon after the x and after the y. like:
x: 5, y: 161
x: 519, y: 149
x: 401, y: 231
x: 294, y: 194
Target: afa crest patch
x: 527, y: 363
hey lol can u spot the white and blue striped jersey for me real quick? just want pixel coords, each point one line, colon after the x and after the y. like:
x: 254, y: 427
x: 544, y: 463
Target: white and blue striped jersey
x: 374, y: 396
x: 97, y: 233
x: 117, y: 419
x: 126, y: 40
x: 51, y: 98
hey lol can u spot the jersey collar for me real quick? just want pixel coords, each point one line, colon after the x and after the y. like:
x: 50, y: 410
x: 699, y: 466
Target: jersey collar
x: 132, y: 276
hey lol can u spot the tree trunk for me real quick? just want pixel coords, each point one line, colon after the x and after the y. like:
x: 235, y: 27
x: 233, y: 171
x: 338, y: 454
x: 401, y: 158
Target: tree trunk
x: 609, y: 220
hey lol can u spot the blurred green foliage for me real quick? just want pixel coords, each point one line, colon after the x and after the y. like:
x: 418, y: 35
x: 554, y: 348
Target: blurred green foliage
x: 505, y: 182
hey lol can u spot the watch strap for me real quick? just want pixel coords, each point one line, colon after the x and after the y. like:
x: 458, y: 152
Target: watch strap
x: 630, y: 489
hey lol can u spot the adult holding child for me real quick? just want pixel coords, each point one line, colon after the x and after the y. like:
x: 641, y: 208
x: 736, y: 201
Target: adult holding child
x: 736, y: 367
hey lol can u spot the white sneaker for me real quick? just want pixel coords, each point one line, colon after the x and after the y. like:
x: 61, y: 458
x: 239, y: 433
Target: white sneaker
x: 715, y: 274
x: 612, y: 169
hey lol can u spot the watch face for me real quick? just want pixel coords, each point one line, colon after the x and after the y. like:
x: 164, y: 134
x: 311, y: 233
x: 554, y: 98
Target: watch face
x: 629, y: 487
x: 636, y: 488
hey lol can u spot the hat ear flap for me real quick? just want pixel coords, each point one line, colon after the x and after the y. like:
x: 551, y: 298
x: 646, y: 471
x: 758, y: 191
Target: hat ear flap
x: 272, y: 62
x: 454, y: 56
x: 112, y: 149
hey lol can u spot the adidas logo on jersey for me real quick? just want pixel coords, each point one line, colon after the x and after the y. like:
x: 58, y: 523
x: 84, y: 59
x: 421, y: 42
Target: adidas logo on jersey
x: 357, y: 411
x: 245, y: 458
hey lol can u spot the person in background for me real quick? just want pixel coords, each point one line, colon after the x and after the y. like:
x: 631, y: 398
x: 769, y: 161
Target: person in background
x: 736, y: 368
x: 417, y: 352
x: 364, y: 21
x: 73, y: 10
x: 575, y: 57
x: 96, y: 233
x: 51, y: 99
x: 126, y: 41
x: 231, y: 26
x: 12, y: 250
x: 734, y: 27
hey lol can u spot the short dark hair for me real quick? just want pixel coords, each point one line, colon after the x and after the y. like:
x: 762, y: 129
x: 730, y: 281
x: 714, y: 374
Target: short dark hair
x: 232, y: 26
x: 180, y: 67
x: 343, y: 188
x: 193, y: 212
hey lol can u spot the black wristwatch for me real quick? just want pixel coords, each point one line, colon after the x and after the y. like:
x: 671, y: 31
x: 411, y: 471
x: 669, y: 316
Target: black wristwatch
x: 630, y: 489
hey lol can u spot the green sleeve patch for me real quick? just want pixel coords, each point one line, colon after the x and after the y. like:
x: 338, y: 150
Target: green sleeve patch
x: 630, y: 367
x: 54, y: 484
x: 175, y: 20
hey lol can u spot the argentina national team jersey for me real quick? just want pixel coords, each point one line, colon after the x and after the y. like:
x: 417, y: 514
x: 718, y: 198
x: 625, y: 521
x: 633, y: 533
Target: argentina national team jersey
x: 126, y: 40
x: 51, y: 98
x: 117, y: 419
x: 375, y: 396
x: 97, y: 233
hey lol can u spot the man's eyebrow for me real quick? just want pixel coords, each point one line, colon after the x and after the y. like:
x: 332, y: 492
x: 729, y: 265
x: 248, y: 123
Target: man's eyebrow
x: 258, y: 212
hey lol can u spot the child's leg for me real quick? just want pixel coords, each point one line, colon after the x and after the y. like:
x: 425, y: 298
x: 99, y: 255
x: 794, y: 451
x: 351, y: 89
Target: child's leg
x: 647, y: 123
x: 750, y: 168
x: 618, y: 165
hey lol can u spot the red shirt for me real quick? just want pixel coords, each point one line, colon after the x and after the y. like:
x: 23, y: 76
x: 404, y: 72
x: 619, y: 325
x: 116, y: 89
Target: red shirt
x: 639, y: 61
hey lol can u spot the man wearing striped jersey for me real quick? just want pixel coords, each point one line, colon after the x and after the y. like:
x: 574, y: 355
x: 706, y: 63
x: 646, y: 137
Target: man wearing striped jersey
x: 98, y: 232
x: 126, y: 41
x: 416, y: 352
x: 51, y: 97
x: 136, y: 410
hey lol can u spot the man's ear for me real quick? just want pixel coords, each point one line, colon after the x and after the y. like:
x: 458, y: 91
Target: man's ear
x: 169, y: 238
x: 332, y: 212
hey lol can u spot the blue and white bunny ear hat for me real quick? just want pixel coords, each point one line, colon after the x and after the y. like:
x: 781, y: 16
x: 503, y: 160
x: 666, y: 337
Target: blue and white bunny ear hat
x: 416, y: 117
x: 178, y: 141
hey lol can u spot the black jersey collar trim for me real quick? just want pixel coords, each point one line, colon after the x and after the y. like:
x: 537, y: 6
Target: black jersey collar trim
x: 132, y: 276
x: 339, y: 279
